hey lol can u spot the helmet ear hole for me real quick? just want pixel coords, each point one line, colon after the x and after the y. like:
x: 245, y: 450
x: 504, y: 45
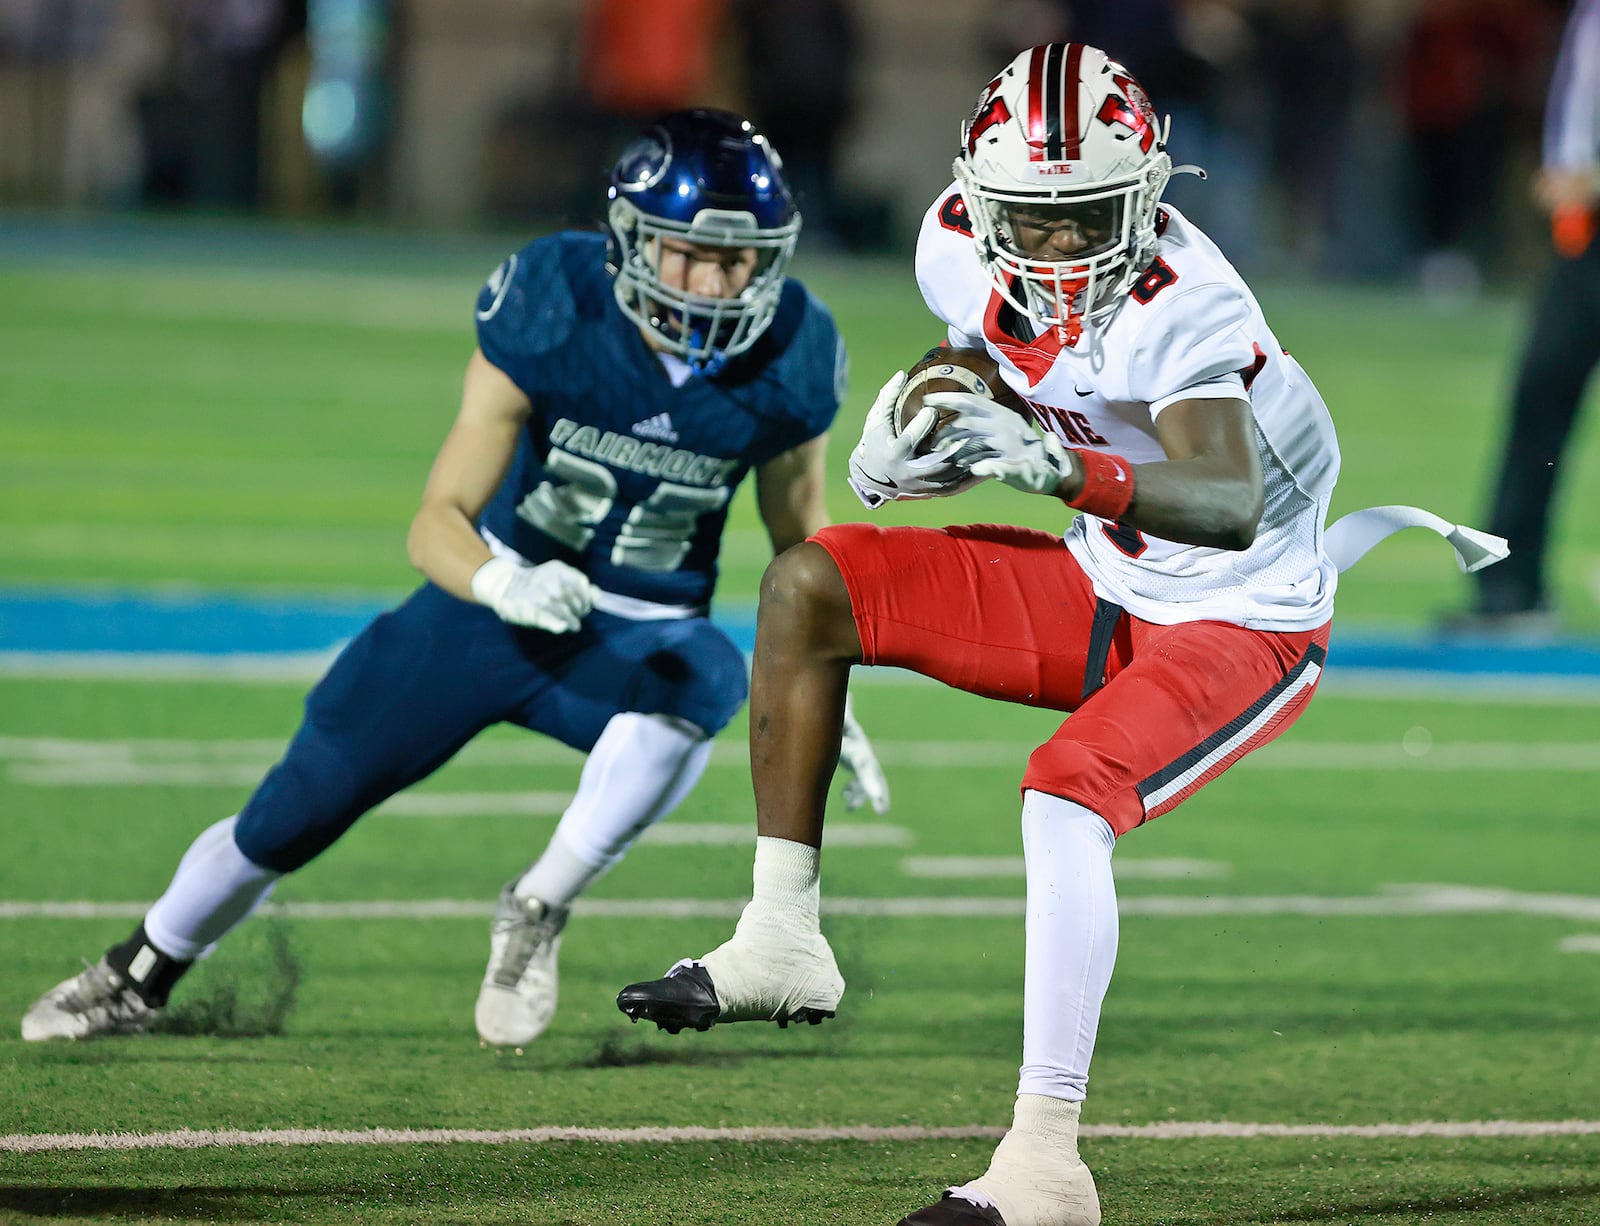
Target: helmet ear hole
x: 706, y: 178
x: 615, y: 245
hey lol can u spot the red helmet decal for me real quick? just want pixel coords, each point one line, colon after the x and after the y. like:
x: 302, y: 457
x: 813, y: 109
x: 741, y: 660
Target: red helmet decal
x: 991, y: 110
x: 1116, y: 110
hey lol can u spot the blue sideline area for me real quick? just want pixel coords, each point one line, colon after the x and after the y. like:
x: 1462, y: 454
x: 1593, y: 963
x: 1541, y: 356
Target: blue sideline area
x: 45, y: 622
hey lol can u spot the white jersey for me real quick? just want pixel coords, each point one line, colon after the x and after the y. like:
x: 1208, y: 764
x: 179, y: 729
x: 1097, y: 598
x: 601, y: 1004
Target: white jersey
x: 1189, y: 329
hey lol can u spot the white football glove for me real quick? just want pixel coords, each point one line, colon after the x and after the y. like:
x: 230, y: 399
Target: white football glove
x: 867, y: 784
x: 551, y: 596
x: 993, y: 441
x: 884, y: 466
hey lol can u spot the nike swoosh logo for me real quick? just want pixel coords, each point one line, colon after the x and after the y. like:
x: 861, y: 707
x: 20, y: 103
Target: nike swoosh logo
x: 1080, y: 391
x: 883, y: 481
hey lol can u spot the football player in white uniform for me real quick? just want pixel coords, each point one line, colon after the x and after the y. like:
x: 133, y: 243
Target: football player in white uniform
x: 1185, y: 622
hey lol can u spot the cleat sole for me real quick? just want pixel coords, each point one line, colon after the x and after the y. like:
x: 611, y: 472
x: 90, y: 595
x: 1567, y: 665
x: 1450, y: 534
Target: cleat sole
x: 676, y: 1020
x: 686, y: 999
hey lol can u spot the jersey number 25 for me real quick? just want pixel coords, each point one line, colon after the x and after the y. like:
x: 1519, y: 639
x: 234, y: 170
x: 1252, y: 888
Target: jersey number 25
x: 580, y: 493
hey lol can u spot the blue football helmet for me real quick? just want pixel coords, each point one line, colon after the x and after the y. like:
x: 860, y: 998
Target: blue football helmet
x: 707, y: 177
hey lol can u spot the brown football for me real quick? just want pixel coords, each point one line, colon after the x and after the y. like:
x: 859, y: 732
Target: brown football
x: 978, y: 362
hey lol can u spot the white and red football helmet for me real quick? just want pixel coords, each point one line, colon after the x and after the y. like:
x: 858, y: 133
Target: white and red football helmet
x: 1064, y: 136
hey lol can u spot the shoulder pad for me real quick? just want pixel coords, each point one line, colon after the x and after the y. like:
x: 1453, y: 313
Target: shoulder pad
x: 530, y: 302
x: 802, y: 356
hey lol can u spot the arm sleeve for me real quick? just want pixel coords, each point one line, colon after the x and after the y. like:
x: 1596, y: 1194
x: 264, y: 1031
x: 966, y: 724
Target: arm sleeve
x: 954, y: 286
x: 1229, y: 387
x: 1196, y: 347
x: 957, y: 339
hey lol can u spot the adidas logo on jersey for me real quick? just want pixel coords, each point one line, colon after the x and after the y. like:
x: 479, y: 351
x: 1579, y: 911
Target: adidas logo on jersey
x: 658, y: 427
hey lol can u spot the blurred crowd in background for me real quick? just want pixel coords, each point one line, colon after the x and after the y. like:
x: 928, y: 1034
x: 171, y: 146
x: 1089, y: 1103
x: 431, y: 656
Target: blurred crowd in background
x: 1370, y: 139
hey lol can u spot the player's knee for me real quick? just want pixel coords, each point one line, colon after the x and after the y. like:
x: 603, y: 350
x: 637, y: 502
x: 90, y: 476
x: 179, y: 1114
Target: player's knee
x: 297, y: 813
x: 1089, y: 777
x: 804, y: 593
x: 698, y: 677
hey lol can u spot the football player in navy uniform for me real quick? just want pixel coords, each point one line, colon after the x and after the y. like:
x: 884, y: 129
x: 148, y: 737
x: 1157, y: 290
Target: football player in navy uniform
x: 622, y: 388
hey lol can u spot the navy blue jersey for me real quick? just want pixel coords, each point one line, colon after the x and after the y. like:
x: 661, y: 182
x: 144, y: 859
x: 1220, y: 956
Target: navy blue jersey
x: 618, y: 472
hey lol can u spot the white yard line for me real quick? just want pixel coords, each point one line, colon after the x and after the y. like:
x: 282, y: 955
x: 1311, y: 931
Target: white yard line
x: 1588, y: 943
x: 951, y: 868
x: 1392, y: 900
x: 475, y: 804
x: 743, y: 834
x: 301, y: 668
x: 61, y: 762
x: 90, y: 773
x: 274, y: 668
x: 198, y: 1138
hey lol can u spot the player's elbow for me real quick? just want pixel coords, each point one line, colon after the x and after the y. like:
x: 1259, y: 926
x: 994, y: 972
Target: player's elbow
x: 414, y: 549
x: 418, y: 540
x: 1235, y: 538
x: 1240, y: 517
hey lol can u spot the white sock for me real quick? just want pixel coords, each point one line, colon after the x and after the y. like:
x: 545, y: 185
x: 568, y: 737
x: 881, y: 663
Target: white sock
x: 778, y: 961
x: 215, y: 887
x: 788, y: 878
x: 1071, y: 942
x: 638, y: 771
x: 1053, y: 1120
x: 1036, y: 1177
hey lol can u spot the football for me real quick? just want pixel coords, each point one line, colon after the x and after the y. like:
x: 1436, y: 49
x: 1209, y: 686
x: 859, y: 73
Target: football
x: 952, y: 370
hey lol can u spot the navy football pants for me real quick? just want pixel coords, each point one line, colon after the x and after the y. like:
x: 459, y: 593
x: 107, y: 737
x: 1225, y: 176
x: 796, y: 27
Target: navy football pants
x: 423, y: 679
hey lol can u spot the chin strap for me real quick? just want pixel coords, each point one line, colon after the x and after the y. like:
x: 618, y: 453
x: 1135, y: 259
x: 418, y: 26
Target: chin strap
x: 1348, y: 539
x: 715, y: 359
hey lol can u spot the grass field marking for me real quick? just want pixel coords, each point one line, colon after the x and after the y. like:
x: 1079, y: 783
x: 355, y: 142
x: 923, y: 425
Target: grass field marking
x: 196, y: 1138
x: 55, y: 749
x: 62, y: 762
x: 303, y: 668
x: 475, y: 804
x: 90, y: 773
x: 1418, y: 754
x: 276, y: 667
x: 1391, y: 900
x: 1586, y: 943
x: 743, y: 834
x: 965, y: 867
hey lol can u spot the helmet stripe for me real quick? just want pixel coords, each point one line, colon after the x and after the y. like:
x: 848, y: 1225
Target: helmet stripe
x: 1052, y: 103
x: 1070, y: 151
x: 1036, y: 102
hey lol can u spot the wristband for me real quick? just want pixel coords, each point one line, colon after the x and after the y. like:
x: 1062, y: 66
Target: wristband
x: 1107, y: 485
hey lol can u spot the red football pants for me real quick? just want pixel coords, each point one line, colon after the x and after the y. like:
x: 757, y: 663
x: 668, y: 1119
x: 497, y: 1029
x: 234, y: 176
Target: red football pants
x: 1007, y: 612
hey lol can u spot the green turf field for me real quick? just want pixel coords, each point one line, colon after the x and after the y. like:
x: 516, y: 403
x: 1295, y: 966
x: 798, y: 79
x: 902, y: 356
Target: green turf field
x: 248, y: 415
x: 1389, y: 918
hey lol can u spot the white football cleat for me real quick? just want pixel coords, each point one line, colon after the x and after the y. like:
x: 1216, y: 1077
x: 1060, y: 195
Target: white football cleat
x: 95, y: 1001
x: 518, y: 997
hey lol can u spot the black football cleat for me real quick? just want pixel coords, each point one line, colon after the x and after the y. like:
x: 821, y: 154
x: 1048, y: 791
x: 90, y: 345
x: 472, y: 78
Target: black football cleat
x: 954, y: 1211
x: 686, y: 999
x: 683, y: 998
